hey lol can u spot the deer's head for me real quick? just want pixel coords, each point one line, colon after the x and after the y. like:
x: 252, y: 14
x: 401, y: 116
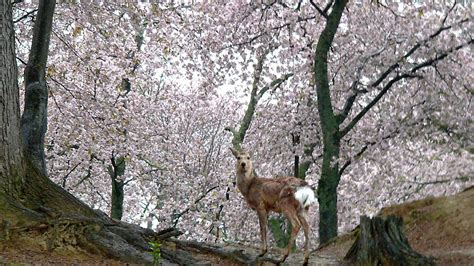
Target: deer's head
x: 243, y: 165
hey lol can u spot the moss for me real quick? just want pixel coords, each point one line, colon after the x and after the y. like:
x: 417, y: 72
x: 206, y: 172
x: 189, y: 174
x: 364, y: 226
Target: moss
x: 471, y: 150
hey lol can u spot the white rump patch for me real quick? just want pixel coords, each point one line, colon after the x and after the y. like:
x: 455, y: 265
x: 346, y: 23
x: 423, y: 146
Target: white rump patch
x: 305, y: 196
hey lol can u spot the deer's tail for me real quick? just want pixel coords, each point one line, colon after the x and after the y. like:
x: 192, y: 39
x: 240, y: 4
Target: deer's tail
x: 305, y: 196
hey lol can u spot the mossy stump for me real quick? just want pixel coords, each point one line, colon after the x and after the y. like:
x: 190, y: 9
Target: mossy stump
x: 382, y: 241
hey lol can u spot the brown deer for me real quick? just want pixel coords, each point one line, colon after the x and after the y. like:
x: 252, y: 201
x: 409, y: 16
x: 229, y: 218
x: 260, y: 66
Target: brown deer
x: 288, y: 195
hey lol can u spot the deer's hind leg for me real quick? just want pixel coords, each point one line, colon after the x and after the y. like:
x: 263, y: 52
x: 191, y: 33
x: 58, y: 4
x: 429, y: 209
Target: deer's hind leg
x: 263, y: 220
x: 292, y: 216
x: 304, y: 223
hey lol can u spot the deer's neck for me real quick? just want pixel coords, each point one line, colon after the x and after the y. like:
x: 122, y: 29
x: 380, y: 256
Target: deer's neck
x: 244, y: 181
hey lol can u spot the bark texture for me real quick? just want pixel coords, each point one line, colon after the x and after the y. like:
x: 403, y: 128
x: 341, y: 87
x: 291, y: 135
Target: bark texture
x: 34, y: 118
x: 10, y: 155
x: 382, y: 241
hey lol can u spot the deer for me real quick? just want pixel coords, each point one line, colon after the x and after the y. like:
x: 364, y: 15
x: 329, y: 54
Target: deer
x: 290, y: 196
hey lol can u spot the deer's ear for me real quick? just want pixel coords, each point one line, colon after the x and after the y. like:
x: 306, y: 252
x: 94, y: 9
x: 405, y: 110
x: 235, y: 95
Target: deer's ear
x: 234, y: 152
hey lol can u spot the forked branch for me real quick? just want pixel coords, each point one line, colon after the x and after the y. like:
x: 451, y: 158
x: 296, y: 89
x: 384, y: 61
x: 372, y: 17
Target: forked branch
x: 255, y: 95
x: 410, y: 74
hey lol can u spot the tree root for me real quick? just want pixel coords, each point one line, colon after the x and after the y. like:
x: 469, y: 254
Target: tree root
x: 100, y: 235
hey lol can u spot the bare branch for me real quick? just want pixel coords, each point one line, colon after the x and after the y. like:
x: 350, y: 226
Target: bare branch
x: 26, y: 15
x: 274, y: 84
x: 410, y: 74
x: 178, y: 216
x: 322, y: 12
x: 355, y: 92
x: 239, y: 135
x: 421, y: 185
x: 67, y: 175
x: 328, y: 6
x: 372, y: 103
x: 413, y: 49
x: 366, y: 146
x: 21, y: 60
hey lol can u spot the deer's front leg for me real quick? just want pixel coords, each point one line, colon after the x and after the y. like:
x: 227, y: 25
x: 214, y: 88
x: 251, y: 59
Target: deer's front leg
x: 263, y: 219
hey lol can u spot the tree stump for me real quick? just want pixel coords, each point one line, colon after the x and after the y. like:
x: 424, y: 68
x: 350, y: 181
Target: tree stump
x: 382, y: 241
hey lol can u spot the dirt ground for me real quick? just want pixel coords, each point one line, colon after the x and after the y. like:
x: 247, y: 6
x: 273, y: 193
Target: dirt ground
x: 439, y: 227
x: 30, y: 255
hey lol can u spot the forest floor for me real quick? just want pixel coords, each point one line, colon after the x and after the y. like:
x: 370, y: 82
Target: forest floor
x: 439, y: 227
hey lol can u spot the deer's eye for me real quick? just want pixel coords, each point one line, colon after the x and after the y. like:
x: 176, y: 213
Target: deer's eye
x: 248, y: 157
x: 238, y: 158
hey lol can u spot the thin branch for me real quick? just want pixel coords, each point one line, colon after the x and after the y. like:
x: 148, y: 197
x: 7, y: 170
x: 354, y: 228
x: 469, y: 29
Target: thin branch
x: 178, y: 216
x: 21, y: 60
x: 231, y: 130
x: 67, y: 175
x: 355, y: 92
x: 53, y: 95
x: 421, y: 185
x: 258, y: 72
x: 328, y: 6
x: 440, y: 56
x: 322, y: 12
x: 410, y: 74
x: 274, y: 84
x: 28, y: 14
x: 413, y: 49
x: 276, y: 28
x: 366, y: 146
x: 372, y: 103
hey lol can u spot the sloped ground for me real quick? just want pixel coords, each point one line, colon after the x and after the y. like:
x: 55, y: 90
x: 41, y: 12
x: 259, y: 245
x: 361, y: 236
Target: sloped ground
x: 22, y: 255
x: 439, y: 227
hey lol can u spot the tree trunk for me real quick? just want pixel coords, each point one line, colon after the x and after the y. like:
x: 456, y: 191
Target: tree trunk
x: 11, y: 162
x: 327, y: 198
x: 383, y: 242
x: 327, y: 186
x: 116, y: 171
x: 116, y: 211
x: 34, y: 118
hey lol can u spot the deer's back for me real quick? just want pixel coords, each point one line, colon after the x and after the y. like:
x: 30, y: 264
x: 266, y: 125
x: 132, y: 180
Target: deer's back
x: 270, y: 191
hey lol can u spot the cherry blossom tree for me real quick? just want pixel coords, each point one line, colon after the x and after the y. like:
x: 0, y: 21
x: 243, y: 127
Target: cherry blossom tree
x: 359, y: 72
x: 368, y: 101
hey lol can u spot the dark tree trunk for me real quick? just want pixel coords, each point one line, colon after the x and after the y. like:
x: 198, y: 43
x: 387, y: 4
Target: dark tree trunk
x: 11, y: 163
x: 327, y: 186
x: 116, y: 211
x: 383, y: 242
x: 34, y: 118
x: 327, y: 199
x: 116, y: 171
